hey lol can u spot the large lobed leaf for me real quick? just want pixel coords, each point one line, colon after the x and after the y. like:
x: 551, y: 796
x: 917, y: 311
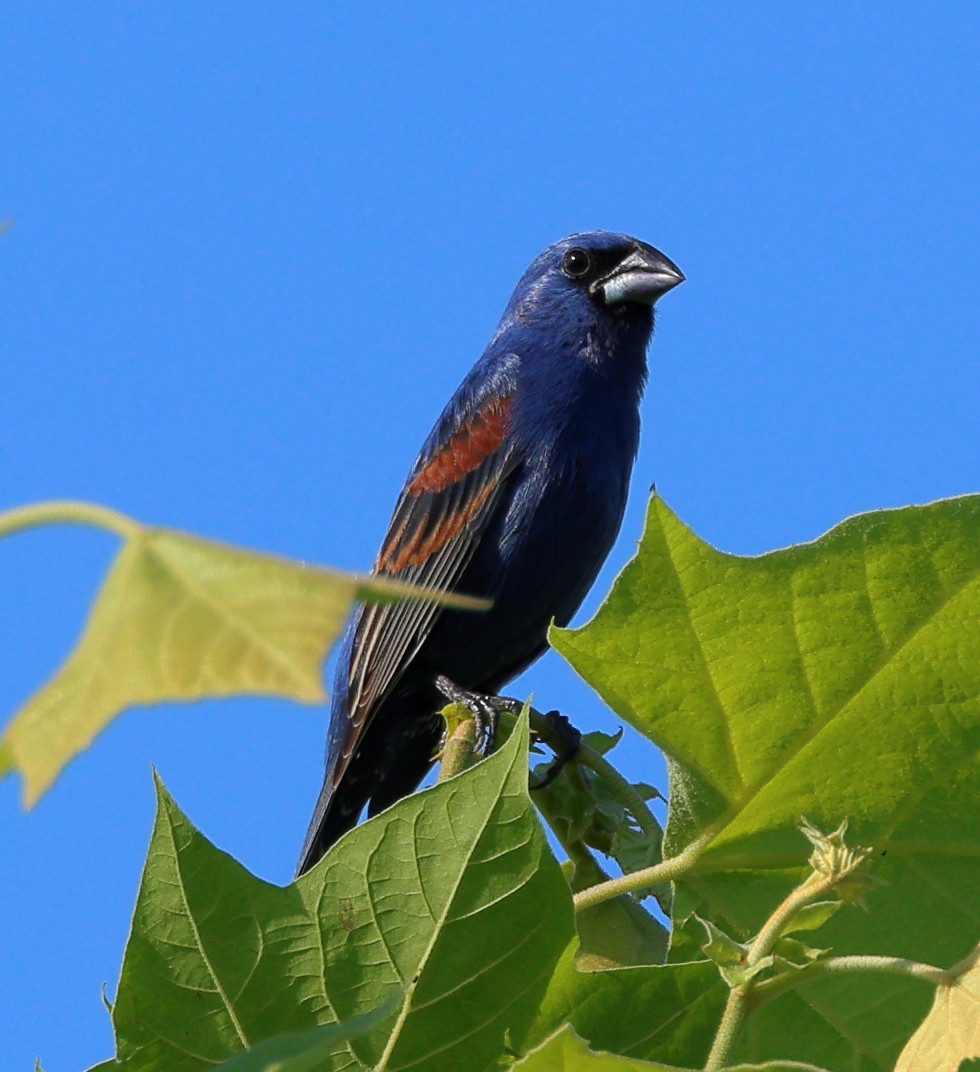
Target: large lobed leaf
x: 837, y: 678
x: 181, y: 618
x: 449, y: 905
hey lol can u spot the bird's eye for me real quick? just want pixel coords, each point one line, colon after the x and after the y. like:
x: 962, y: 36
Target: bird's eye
x: 576, y: 263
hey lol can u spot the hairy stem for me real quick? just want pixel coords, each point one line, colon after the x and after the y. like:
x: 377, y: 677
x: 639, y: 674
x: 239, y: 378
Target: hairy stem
x: 772, y: 988
x: 70, y: 512
x: 665, y: 871
x: 738, y: 1003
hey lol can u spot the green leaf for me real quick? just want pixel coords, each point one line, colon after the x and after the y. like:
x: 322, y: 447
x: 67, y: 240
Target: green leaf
x: 838, y: 679
x: 662, y: 1013
x: 812, y: 916
x: 566, y: 1052
x: 304, y: 1051
x: 614, y: 934
x: 450, y: 900
x: 951, y: 1031
x: 798, y: 954
x: 731, y: 957
x: 182, y: 618
x: 721, y: 948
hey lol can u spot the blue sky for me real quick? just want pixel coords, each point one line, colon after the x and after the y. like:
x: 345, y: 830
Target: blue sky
x: 256, y: 246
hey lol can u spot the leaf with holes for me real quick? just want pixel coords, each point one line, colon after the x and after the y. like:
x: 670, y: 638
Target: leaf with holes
x: 450, y: 904
x: 181, y: 618
x: 834, y: 679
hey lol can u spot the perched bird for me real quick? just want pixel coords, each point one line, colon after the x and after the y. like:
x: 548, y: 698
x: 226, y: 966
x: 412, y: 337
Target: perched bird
x: 517, y: 495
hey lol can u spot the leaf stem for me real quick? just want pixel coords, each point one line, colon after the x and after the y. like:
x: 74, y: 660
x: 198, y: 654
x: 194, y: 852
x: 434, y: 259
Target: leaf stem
x: 665, y: 871
x: 68, y: 512
x: 772, y: 988
x: 737, y: 1005
x: 622, y: 790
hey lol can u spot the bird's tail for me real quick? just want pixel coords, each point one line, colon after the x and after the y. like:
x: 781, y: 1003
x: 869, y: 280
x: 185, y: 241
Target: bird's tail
x: 388, y: 764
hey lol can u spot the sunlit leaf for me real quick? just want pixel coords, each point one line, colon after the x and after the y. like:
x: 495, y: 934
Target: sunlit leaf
x: 182, y: 618
x: 950, y: 1032
x: 834, y: 679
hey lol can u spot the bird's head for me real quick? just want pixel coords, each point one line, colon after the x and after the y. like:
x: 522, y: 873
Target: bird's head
x: 595, y: 275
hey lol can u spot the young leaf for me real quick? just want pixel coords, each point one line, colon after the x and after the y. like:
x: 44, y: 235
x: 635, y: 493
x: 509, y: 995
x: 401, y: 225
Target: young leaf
x: 450, y: 900
x: 812, y: 916
x: 838, y: 678
x: 182, y: 618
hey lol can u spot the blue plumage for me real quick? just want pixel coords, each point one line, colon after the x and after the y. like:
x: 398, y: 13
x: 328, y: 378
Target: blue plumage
x: 517, y: 494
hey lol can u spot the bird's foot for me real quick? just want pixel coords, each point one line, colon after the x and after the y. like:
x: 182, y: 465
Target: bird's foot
x: 562, y: 738
x: 552, y: 728
x: 483, y: 709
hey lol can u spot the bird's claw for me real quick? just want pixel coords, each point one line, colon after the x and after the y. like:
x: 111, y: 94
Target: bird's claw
x: 483, y: 709
x: 564, y: 740
x: 553, y: 727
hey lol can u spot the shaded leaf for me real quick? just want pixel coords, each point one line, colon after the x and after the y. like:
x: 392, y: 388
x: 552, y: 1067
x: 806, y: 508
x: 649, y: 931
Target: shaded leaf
x: 838, y: 679
x: 450, y: 900
x: 655, y: 1013
x: 566, y: 1052
x: 182, y: 618
x: 579, y: 806
x: 304, y: 1051
x: 615, y: 934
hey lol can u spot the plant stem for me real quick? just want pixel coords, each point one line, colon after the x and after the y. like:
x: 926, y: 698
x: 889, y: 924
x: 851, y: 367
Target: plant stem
x: 67, y: 511
x: 622, y: 790
x: 665, y: 871
x: 737, y: 1005
x: 812, y: 889
x: 772, y: 988
x: 460, y: 742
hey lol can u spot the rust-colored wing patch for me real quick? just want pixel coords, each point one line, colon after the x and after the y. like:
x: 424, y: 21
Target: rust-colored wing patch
x: 466, y: 450
x: 448, y: 491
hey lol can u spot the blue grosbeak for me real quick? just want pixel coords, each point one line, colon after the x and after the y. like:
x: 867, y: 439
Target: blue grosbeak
x: 517, y: 495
